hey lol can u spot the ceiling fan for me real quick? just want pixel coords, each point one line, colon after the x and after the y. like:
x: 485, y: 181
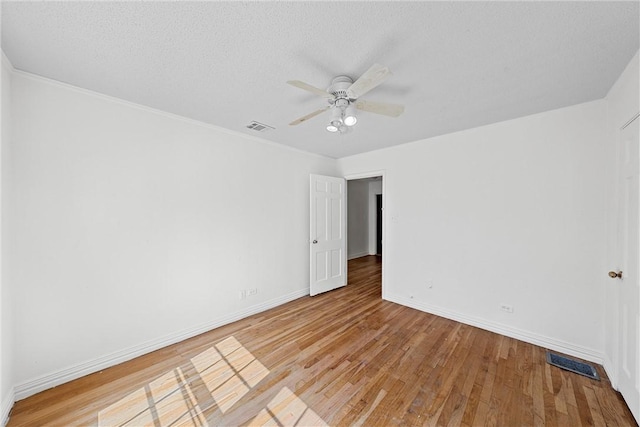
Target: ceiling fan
x: 343, y: 98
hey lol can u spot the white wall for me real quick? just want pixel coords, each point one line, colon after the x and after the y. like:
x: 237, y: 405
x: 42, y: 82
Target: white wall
x: 357, y: 218
x: 622, y: 104
x: 6, y: 326
x: 510, y: 213
x: 135, y: 228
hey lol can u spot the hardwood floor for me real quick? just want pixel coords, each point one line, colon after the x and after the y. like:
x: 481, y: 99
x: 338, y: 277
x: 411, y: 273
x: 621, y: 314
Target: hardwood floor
x: 341, y: 358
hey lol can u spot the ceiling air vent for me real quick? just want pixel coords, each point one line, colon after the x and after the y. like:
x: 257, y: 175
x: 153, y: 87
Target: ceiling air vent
x: 259, y: 127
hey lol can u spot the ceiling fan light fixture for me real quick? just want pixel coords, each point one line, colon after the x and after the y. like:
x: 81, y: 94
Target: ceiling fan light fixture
x: 336, y: 120
x: 350, y: 118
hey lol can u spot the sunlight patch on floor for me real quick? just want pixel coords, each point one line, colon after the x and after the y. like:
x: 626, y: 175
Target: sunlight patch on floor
x: 229, y: 371
x: 167, y: 399
x: 287, y: 409
x: 211, y: 382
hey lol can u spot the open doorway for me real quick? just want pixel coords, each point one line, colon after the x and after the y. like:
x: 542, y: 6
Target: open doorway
x: 365, y: 228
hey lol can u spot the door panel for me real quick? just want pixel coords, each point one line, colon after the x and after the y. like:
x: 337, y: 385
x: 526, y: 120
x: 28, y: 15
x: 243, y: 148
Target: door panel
x: 629, y: 257
x: 327, y: 237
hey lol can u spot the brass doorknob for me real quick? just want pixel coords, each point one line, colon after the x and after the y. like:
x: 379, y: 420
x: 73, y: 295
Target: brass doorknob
x: 615, y: 275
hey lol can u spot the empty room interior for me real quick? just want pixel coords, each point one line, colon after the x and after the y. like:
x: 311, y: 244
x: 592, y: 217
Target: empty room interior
x: 320, y: 213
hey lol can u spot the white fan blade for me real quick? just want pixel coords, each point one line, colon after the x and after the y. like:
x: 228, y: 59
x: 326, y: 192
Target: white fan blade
x: 391, y: 110
x: 312, y: 89
x: 308, y: 116
x: 370, y: 79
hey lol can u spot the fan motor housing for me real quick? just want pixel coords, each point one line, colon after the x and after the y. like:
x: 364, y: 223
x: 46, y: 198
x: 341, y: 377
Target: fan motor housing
x: 339, y: 86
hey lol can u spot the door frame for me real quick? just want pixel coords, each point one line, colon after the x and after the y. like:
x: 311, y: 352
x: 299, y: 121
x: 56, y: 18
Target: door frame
x: 385, y: 235
x: 378, y: 224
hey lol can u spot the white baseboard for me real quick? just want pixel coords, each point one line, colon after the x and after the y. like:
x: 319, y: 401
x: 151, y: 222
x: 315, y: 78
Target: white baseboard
x: 522, y: 335
x: 7, y: 404
x: 62, y: 376
x: 358, y: 255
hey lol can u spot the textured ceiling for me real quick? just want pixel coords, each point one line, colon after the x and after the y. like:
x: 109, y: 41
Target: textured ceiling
x: 455, y: 65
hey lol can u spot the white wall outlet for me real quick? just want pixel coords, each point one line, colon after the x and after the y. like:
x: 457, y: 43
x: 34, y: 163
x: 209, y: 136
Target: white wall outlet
x: 252, y: 291
x: 429, y: 285
x: 243, y: 294
x: 506, y: 307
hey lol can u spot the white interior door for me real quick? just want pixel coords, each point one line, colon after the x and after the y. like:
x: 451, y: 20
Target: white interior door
x: 628, y: 281
x: 327, y: 238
